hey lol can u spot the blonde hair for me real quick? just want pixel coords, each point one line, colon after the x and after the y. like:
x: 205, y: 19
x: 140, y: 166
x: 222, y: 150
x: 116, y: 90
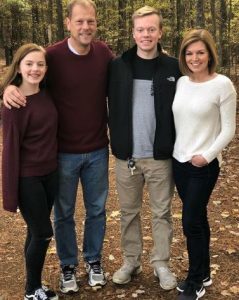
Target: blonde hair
x: 13, y: 76
x: 84, y: 3
x: 147, y: 11
x: 193, y: 36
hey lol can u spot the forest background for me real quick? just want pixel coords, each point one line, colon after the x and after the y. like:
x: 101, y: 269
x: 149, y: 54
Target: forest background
x: 42, y: 21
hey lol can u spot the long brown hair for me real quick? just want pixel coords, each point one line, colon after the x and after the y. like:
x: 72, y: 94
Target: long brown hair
x: 13, y: 76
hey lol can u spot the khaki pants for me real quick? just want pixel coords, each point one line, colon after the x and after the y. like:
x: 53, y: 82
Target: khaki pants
x: 157, y: 174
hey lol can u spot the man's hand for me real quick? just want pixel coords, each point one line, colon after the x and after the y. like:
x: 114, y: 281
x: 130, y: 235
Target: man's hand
x: 198, y: 161
x: 13, y: 97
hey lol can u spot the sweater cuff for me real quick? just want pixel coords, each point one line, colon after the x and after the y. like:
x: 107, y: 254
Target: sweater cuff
x: 210, y: 157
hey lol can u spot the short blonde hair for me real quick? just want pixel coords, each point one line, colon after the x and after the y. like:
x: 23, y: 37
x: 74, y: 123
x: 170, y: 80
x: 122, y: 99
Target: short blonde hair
x: 146, y: 11
x: 193, y: 36
x: 84, y: 3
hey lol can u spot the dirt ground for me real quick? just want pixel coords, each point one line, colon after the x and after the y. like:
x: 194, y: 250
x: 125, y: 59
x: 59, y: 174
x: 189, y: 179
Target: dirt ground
x: 224, y: 219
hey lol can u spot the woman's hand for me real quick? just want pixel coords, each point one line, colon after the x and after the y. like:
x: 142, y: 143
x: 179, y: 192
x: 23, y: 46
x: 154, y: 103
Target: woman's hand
x: 198, y: 161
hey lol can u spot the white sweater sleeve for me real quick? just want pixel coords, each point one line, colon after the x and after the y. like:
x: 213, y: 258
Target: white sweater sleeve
x: 228, y: 122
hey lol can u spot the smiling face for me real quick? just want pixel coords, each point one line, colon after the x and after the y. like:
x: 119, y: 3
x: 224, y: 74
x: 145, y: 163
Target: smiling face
x: 147, y: 34
x: 82, y: 26
x: 197, y: 58
x: 33, y: 68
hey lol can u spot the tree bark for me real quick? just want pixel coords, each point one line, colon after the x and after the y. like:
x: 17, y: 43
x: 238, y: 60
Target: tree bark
x: 35, y: 22
x: 60, y: 23
x: 223, y: 53
x: 213, y: 15
x: 49, y: 21
x: 178, y: 27
x: 200, y: 18
x: 122, y: 26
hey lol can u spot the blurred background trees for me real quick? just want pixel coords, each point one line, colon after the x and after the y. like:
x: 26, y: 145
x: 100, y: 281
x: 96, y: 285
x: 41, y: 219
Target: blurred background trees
x: 42, y: 21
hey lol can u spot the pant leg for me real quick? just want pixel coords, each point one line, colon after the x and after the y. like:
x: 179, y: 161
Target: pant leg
x: 159, y: 179
x: 64, y: 208
x: 95, y: 182
x: 195, y: 186
x: 35, y: 206
x: 207, y: 235
x: 130, y: 190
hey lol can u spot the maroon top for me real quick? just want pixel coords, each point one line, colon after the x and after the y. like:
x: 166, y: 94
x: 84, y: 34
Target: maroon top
x: 77, y: 84
x: 29, y: 144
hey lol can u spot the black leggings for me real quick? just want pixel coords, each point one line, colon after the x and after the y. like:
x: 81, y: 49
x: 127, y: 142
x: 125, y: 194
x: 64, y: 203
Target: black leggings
x: 36, y: 198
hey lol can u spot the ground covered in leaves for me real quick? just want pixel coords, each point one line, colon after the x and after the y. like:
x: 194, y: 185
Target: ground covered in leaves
x: 224, y: 219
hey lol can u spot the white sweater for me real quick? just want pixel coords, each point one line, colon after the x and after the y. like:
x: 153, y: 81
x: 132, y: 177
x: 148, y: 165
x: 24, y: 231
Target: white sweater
x: 205, y: 117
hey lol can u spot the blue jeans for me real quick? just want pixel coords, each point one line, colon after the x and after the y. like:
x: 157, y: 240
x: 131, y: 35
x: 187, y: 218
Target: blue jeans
x: 92, y: 170
x: 195, y: 185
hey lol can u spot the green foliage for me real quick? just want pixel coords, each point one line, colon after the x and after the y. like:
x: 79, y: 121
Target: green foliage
x: 24, y: 20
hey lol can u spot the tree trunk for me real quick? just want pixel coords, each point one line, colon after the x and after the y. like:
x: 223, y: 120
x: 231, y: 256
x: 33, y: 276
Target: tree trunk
x: 213, y: 15
x: 49, y: 21
x: 229, y: 52
x: 200, y: 19
x: 130, y: 24
x: 122, y: 26
x: 16, y: 34
x: 223, y: 54
x: 35, y: 22
x: 60, y: 23
x: 178, y: 33
x: 8, y: 55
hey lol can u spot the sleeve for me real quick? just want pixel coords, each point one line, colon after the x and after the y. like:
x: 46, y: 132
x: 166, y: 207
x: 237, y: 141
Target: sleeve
x: 10, y: 159
x: 227, y: 122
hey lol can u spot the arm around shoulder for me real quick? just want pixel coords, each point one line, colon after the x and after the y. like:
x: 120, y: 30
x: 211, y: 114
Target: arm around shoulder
x: 12, y: 97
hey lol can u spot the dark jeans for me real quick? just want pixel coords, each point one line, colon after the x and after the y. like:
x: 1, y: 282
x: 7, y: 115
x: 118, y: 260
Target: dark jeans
x: 195, y: 185
x: 36, y: 197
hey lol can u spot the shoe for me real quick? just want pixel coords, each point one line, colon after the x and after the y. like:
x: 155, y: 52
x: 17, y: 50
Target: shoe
x: 123, y: 275
x: 68, y: 282
x: 50, y: 294
x: 206, y: 282
x: 96, y: 274
x: 192, y: 291
x: 167, y: 280
x: 38, y: 294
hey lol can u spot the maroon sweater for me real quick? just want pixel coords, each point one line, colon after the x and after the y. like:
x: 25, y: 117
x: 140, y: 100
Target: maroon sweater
x: 77, y: 84
x: 29, y: 144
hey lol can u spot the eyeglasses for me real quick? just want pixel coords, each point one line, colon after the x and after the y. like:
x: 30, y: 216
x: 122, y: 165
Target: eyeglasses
x: 149, y: 30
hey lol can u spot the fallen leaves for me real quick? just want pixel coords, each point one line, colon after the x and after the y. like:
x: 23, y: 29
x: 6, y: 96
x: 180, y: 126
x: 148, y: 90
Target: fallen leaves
x: 232, y: 290
x: 135, y: 294
x: 231, y: 251
x: 51, y: 250
x: 225, y: 214
x: 177, y: 216
x: 234, y: 233
x: 147, y: 238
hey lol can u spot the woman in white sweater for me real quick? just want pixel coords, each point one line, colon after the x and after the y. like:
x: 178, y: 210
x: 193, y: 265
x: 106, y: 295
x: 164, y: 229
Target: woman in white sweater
x: 204, y: 113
